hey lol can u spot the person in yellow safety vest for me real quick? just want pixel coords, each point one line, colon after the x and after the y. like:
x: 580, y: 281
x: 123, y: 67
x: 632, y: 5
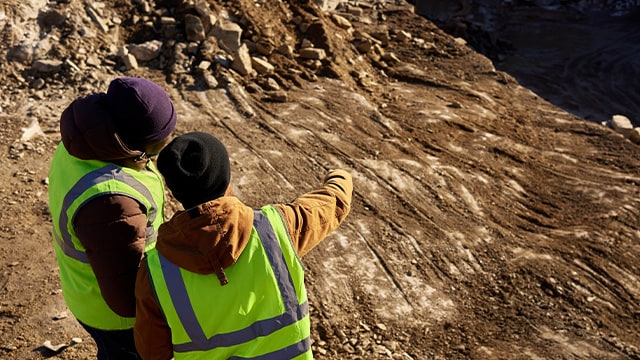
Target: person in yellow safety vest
x: 226, y: 281
x: 107, y: 201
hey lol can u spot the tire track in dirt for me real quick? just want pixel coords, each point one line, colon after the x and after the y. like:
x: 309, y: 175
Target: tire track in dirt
x: 399, y: 253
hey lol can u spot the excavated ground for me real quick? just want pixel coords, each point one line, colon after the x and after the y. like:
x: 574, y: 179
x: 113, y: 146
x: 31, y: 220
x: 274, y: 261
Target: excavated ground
x: 487, y: 223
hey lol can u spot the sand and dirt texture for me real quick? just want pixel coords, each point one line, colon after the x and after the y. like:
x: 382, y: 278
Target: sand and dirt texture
x: 487, y: 223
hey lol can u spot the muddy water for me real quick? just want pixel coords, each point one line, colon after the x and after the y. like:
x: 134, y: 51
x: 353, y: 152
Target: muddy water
x: 589, y: 66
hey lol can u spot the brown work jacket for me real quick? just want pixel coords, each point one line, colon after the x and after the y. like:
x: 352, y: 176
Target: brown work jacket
x: 218, y: 235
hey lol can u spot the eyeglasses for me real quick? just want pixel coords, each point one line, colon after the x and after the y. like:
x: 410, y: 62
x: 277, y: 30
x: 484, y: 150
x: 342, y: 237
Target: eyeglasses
x: 144, y: 157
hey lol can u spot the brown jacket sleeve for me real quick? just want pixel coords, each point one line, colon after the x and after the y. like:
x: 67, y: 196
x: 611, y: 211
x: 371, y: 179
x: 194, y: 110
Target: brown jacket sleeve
x: 313, y: 216
x: 151, y: 332
x: 112, y: 230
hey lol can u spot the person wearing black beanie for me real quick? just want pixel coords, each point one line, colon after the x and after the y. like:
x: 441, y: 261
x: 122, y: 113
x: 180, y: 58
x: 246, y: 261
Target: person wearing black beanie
x: 196, y: 168
x: 225, y: 280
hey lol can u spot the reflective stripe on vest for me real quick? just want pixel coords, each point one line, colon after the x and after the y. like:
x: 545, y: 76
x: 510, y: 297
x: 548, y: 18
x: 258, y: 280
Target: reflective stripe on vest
x: 294, y: 312
x: 106, y: 173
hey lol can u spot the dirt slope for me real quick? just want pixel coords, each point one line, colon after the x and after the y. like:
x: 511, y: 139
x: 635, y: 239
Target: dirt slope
x: 487, y: 223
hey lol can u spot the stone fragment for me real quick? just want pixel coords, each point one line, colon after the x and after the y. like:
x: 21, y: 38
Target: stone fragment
x: 341, y: 21
x: 253, y: 88
x: 228, y: 34
x: 460, y: 41
x: 72, y: 65
x: 55, y: 348
x: 209, y: 22
x: 32, y: 131
x: 167, y: 20
x: 622, y: 125
x: 194, y: 28
x: 130, y: 62
x: 210, y: 80
x: 204, y: 65
x: 22, y: 53
x: 47, y: 65
x: 306, y: 43
x: 272, y: 84
x: 312, y: 53
x: 93, y: 14
x: 51, y: 17
x: 403, y: 36
x: 391, y: 57
x: 355, y: 10
x: 382, y: 36
x: 276, y: 96
x: 202, y: 8
x: 146, y: 51
x: 286, y: 50
x: 262, y: 66
x: 634, y: 136
x: 242, y: 61
x: 264, y: 48
x: 363, y: 45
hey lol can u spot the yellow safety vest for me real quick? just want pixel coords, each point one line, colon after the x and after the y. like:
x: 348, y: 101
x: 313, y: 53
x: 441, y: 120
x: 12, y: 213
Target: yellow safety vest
x: 72, y: 183
x: 261, y: 313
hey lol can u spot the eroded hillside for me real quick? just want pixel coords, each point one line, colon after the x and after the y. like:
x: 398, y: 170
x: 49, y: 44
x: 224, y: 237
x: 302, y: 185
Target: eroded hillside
x: 487, y: 223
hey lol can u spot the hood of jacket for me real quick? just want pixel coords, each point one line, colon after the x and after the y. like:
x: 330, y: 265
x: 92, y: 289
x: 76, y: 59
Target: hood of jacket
x: 88, y: 130
x: 207, y: 238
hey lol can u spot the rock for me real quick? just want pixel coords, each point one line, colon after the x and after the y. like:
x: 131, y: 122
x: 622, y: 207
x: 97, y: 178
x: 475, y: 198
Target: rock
x: 312, y: 53
x: 228, y: 34
x: 363, y: 45
x: 272, y: 84
x: 209, y: 22
x: 286, y: 50
x: 47, y: 65
x: 130, y: 62
x: 634, y: 136
x: 403, y: 36
x: 55, y: 348
x: 276, y: 96
x: 22, y: 53
x: 262, y: 66
x: 204, y: 65
x: 341, y: 21
x: 382, y: 36
x: 306, y: 44
x: 210, y: 81
x: 93, y: 14
x: 264, y: 48
x: 242, y: 61
x: 51, y: 17
x: 622, y: 125
x: 60, y: 316
x: 194, y: 28
x: 146, y: 51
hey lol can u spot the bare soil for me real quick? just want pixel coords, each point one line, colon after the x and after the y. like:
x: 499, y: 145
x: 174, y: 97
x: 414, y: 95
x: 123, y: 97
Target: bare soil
x: 487, y: 223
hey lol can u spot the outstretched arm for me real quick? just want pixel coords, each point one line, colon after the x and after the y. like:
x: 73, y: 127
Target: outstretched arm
x: 313, y: 216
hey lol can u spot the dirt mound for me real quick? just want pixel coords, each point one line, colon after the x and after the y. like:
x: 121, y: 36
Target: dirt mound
x: 487, y: 223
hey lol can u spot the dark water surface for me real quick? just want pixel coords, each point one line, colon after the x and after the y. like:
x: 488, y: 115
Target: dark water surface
x: 589, y: 66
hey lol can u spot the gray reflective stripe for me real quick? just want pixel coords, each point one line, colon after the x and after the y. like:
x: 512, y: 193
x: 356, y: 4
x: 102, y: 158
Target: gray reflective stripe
x: 294, y: 311
x: 69, y: 250
x: 93, y: 178
x: 289, y: 352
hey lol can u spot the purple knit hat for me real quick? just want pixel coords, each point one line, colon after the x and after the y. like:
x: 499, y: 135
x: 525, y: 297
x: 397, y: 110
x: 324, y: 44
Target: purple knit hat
x: 142, y: 111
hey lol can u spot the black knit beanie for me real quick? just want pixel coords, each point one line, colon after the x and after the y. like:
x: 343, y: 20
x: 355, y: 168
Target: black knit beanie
x: 196, y: 168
